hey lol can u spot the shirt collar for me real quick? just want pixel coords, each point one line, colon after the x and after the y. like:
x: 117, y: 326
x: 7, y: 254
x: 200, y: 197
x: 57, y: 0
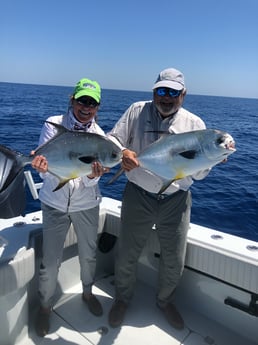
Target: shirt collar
x: 76, y: 125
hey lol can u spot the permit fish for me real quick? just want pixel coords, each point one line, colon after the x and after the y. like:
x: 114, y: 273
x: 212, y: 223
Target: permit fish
x: 175, y: 156
x: 70, y: 154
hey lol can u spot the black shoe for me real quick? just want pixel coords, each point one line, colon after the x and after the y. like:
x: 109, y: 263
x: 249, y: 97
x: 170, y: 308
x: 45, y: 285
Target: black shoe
x: 42, y: 321
x: 117, y: 313
x: 93, y: 304
x: 172, y: 315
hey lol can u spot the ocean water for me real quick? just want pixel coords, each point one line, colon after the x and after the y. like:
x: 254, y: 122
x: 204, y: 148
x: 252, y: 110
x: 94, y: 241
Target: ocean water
x: 225, y: 200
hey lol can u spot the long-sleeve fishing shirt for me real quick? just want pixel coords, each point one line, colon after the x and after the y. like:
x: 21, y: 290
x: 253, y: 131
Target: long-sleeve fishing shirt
x: 78, y: 194
x: 131, y: 132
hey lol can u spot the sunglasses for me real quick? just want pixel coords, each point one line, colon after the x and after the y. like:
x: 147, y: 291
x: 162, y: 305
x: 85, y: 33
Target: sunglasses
x: 163, y: 91
x: 89, y: 103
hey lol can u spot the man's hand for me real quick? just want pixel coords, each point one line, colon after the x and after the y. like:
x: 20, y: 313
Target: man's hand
x: 129, y: 160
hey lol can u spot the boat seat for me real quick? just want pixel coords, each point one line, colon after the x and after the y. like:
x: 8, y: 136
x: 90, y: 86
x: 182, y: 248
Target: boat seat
x: 14, y: 278
x: 18, y: 272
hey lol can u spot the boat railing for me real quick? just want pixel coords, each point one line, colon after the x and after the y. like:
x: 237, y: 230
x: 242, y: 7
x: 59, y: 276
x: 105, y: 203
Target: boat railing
x: 32, y: 185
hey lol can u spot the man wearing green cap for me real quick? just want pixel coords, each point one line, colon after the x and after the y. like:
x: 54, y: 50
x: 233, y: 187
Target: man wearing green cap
x: 77, y: 203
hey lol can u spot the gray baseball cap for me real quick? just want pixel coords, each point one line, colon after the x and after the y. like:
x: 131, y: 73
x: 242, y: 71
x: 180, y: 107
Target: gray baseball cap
x: 171, y: 78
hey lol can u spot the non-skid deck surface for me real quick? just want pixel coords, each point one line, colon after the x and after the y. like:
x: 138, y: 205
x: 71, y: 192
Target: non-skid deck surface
x: 144, y: 324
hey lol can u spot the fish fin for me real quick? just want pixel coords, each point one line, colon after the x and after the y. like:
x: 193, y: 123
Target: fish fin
x: 13, y: 197
x: 188, y: 154
x: 115, y: 177
x: 9, y: 152
x: 165, y: 186
x: 60, y: 130
x: 61, y: 184
x: 159, y: 132
x: 59, y: 127
x: 12, y: 183
x: 11, y: 163
x: 87, y: 159
x: 15, y: 155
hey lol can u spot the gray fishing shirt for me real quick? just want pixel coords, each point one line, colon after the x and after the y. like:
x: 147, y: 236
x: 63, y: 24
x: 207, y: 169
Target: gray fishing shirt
x: 131, y: 132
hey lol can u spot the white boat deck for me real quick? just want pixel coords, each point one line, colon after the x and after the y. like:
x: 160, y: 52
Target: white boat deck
x: 144, y: 324
x: 218, y: 266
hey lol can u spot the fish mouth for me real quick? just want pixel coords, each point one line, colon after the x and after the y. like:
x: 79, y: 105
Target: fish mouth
x: 227, y: 142
x: 231, y: 146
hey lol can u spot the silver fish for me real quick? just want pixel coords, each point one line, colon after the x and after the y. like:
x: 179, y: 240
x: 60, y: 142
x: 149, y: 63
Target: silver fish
x: 70, y: 154
x: 175, y: 156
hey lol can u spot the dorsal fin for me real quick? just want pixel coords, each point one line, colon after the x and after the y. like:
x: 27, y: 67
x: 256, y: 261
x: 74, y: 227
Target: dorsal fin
x: 60, y: 128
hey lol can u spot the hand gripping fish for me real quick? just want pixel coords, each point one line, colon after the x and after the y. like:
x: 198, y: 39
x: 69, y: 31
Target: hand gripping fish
x: 175, y: 156
x: 69, y: 154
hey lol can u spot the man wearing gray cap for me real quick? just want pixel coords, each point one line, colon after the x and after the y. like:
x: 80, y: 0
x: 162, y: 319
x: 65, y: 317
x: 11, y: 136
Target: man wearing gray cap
x: 143, y: 205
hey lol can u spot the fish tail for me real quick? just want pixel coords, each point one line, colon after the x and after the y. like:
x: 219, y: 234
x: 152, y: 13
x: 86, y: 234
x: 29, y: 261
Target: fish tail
x: 11, y: 164
x: 14, y: 155
x: 12, y: 183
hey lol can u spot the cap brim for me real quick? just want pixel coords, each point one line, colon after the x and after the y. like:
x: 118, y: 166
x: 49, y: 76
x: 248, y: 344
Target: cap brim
x: 88, y: 93
x: 168, y: 83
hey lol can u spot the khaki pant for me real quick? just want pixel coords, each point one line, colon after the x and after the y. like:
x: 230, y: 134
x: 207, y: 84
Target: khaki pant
x: 140, y: 210
x: 55, y: 227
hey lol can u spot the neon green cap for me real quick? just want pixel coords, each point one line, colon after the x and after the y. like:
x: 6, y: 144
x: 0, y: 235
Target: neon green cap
x: 87, y: 87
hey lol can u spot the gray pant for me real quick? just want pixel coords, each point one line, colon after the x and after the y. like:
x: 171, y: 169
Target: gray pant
x: 55, y: 227
x: 140, y: 210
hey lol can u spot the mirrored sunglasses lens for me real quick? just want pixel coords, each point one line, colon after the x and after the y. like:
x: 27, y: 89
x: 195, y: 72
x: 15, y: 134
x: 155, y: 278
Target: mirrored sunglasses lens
x: 161, y: 92
x: 90, y: 104
x: 174, y: 93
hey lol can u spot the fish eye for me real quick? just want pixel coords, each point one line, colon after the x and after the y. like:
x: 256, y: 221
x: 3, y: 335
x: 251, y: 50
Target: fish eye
x: 114, y: 154
x: 220, y: 140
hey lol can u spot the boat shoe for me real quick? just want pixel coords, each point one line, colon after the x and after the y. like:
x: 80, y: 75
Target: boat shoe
x: 172, y: 315
x: 42, y: 321
x: 93, y: 304
x: 117, y: 313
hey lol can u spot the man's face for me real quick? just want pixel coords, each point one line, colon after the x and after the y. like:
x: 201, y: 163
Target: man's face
x: 167, y: 100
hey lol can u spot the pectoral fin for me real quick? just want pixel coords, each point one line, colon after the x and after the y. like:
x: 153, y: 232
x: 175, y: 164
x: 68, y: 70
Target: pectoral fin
x: 61, y: 184
x: 165, y: 186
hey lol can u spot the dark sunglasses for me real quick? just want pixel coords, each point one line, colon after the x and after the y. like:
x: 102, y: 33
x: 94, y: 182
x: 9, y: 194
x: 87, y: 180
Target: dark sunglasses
x: 89, y: 103
x: 163, y: 91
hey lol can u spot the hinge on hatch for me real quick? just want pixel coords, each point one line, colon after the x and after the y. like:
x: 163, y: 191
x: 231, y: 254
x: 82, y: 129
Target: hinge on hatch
x: 251, y: 308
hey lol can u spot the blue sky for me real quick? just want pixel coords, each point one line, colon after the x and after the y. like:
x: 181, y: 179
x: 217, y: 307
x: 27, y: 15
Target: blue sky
x: 125, y: 44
